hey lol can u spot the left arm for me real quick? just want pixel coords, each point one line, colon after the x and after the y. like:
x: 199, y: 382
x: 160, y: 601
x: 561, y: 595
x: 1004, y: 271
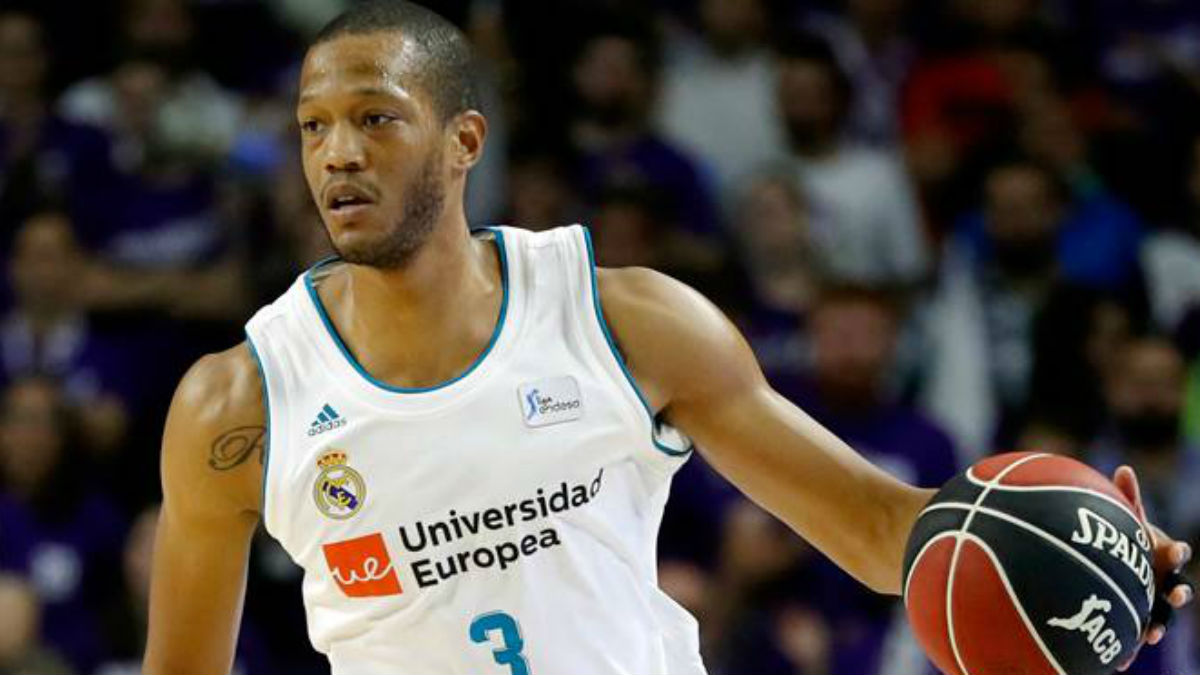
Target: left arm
x: 694, y: 365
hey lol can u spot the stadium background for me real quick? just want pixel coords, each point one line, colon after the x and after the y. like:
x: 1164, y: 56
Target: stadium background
x: 949, y: 228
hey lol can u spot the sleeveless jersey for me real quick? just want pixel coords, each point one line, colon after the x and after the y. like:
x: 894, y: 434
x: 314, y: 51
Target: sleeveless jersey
x: 503, y: 522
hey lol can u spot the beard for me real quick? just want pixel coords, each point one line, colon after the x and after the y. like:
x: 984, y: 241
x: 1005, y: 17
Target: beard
x: 1155, y: 430
x: 423, y: 204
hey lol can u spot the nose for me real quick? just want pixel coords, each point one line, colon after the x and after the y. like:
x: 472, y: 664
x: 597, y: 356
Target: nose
x: 344, y: 151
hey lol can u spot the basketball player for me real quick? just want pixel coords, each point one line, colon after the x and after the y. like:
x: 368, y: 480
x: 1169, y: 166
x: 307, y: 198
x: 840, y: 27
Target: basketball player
x: 466, y: 439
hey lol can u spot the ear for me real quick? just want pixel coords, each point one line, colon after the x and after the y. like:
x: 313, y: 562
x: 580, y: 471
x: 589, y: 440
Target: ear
x: 468, y: 132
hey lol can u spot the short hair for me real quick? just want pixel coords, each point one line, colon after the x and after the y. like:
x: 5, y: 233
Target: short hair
x: 632, y: 28
x: 447, y: 58
x: 812, y: 48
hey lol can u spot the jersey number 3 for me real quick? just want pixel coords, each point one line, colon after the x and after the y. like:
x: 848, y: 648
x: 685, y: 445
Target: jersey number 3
x: 508, y: 653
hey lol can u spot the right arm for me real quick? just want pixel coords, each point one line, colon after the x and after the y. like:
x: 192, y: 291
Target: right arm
x: 212, y: 458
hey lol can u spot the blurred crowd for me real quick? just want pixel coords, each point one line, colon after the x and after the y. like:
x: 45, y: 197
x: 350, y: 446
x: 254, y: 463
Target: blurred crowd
x: 948, y: 228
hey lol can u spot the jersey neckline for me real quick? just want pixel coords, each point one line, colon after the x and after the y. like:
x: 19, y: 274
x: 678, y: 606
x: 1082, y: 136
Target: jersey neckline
x: 347, y: 357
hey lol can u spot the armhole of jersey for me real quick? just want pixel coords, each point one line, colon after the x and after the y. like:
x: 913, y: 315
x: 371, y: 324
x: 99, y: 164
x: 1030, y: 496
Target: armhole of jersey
x: 266, y: 403
x: 665, y: 438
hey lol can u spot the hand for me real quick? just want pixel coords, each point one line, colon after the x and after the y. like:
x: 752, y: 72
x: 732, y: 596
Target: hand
x: 1169, y: 558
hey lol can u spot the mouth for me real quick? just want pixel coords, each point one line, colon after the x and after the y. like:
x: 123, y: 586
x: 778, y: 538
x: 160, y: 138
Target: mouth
x: 345, y: 199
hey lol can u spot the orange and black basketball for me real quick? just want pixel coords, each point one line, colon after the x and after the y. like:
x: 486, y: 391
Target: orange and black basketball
x: 1030, y: 564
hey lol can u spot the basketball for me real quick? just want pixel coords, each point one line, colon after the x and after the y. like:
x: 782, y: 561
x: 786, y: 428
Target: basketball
x: 1028, y: 563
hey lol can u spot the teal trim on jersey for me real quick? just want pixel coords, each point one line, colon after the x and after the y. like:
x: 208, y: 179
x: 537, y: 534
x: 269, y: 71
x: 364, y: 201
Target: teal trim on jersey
x: 337, y: 339
x: 612, y: 345
x: 266, y: 459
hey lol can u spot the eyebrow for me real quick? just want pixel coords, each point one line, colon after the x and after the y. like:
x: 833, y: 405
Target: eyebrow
x: 361, y: 91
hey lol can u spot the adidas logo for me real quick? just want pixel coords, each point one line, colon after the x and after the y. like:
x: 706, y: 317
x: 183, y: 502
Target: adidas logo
x: 327, y: 420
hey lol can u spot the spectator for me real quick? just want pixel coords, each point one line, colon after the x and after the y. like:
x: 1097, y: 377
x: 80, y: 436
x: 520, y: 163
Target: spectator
x: 125, y: 628
x: 1077, y: 334
x: 43, y: 158
x: 853, y: 333
x: 626, y: 230
x: 628, y: 234
x: 193, y: 116
x: 980, y: 321
x: 876, y: 240
x: 773, y: 228
x: 765, y: 586
x: 20, y: 650
x: 877, y: 55
x: 541, y: 194
x: 162, y: 214
x: 718, y: 91
x: 1145, y: 400
x: 59, y: 530
x: 48, y: 333
x: 614, y: 77
x: 987, y: 63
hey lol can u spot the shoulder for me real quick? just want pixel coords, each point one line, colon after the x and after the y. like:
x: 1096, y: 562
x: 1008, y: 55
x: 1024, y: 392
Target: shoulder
x: 215, y: 435
x: 222, y: 387
x: 676, y: 342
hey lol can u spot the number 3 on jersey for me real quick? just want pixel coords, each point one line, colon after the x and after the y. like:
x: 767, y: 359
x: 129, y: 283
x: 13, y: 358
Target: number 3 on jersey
x: 508, y: 653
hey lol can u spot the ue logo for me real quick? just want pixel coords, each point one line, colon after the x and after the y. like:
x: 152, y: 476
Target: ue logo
x: 362, y: 567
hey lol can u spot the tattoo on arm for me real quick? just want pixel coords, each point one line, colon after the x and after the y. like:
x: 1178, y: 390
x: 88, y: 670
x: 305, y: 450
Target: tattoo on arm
x: 234, y: 447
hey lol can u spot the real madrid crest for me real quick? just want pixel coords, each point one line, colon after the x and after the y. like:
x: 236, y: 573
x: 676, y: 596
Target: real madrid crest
x: 339, y: 490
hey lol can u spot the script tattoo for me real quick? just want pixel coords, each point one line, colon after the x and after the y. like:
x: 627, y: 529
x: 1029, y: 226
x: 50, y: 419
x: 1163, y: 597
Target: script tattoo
x: 234, y: 447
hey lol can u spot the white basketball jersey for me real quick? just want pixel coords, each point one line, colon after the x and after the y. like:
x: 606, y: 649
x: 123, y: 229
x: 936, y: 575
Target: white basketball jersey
x: 503, y: 522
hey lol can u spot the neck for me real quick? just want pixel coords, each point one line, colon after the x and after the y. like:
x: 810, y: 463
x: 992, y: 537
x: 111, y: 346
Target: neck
x: 396, y: 321
x: 21, y: 107
x: 820, y: 147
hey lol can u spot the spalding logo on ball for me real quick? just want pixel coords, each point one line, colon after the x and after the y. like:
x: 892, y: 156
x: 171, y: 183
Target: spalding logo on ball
x: 1029, y: 564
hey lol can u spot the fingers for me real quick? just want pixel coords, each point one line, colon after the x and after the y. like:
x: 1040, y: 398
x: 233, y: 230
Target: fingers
x: 1181, y: 554
x: 1180, y: 595
x: 1126, y: 481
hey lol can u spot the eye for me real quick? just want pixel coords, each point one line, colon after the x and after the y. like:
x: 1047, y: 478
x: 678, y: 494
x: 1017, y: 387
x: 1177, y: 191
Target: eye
x: 310, y: 126
x: 376, y: 119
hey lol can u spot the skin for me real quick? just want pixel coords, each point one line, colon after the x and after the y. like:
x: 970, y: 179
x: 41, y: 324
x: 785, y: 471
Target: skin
x: 684, y: 353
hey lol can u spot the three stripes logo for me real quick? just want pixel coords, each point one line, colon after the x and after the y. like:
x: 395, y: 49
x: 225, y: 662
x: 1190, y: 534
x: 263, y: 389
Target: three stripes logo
x: 327, y: 420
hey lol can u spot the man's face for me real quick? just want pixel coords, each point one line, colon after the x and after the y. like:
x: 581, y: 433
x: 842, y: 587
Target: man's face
x: 372, y: 147
x: 611, y: 82
x: 45, y: 264
x: 808, y: 100
x: 31, y: 441
x: 22, y: 56
x: 1023, y: 217
x: 852, y: 343
x: 1146, y: 392
x: 624, y: 236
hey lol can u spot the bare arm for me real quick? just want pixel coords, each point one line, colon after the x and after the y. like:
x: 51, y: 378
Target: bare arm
x: 211, y: 474
x: 694, y: 365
